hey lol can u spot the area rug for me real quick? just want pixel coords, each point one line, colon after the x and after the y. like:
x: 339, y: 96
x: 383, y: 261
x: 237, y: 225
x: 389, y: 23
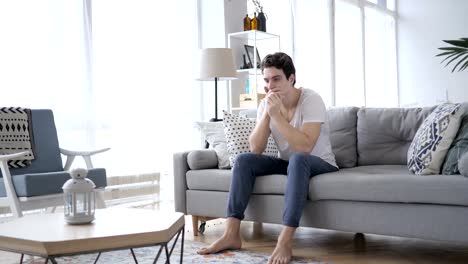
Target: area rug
x: 147, y: 255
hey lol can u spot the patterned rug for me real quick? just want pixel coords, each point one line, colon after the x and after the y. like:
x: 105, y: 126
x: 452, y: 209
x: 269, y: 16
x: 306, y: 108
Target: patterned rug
x: 147, y: 255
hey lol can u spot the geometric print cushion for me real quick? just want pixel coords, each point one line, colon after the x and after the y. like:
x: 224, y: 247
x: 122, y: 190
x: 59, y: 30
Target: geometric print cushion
x: 457, y: 149
x: 237, y: 130
x: 433, y: 138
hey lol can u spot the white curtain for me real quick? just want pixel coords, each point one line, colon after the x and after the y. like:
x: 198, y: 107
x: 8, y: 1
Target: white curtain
x: 117, y: 73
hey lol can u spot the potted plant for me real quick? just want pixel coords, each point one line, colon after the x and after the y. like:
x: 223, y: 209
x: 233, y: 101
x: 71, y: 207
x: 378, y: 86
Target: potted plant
x: 457, y: 51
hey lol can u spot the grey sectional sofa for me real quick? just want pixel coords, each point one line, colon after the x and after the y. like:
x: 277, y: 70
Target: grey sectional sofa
x: 373, y: 192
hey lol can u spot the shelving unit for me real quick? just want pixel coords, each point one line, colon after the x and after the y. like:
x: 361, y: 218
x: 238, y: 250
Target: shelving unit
x: 265, y: 43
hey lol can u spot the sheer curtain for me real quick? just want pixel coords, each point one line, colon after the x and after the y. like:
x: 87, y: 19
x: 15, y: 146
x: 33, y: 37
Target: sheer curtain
x: 117, y: 73
x: 43, y: 65
x: 343, y: 49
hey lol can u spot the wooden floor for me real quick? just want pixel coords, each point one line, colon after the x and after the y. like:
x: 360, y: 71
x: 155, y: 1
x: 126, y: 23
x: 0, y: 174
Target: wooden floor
x: 339, y: 247
x: 329, y: 246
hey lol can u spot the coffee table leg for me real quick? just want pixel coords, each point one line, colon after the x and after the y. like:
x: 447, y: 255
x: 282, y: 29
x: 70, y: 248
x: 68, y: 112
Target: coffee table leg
x: 168, y: 261
x: 182, y: 245
x: 157, y: 256
x: 134, y: 257
x: 97, y: 258
x: 51, y: 260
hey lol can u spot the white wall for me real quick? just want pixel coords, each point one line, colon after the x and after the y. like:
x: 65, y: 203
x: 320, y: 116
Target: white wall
x: 422, y: 26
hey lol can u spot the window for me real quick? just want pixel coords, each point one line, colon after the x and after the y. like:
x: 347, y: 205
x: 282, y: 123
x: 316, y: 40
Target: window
x: 343, y: 49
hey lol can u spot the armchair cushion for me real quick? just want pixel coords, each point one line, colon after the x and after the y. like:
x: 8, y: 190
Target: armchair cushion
x: 29, y: 185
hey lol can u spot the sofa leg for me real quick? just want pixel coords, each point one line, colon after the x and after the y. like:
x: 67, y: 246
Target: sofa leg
x: 359, y: 242
x: 195, y: 224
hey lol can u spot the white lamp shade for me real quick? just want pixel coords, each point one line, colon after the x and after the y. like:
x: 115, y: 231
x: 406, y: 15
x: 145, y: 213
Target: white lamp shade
x: 216, y: 62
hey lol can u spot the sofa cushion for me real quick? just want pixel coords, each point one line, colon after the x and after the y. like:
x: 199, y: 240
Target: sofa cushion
x: 342, y: 122
x: 463, y: 164
x: 385, y: 134
x: 380, y: 183
x: 433, y: 139
x: 220, y: 180
x: 389, y: 183
x: 458, y: 148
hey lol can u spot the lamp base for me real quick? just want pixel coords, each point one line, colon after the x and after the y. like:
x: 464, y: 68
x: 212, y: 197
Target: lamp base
x: 214, y: 119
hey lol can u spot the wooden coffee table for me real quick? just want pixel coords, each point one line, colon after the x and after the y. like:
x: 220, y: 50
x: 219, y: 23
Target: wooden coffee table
x: 49, y: 236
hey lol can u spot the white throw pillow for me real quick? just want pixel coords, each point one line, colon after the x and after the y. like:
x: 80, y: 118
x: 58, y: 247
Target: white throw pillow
x: 237, y: 130
x: 433, y: 138
x: 213, y: 133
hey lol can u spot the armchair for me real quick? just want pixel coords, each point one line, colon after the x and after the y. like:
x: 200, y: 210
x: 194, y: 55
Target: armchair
x: 40, y: 184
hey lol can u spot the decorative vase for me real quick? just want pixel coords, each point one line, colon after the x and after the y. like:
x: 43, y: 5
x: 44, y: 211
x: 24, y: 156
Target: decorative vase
x: 261, y: 21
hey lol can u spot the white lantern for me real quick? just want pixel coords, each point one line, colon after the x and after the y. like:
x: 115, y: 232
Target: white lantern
x: 80, y: 198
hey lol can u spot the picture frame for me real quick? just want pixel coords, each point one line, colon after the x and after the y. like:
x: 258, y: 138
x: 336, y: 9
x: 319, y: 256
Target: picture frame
x: 249, y: 50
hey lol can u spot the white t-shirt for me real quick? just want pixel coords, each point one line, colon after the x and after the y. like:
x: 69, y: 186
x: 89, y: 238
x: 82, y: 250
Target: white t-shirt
x: 310, y: 108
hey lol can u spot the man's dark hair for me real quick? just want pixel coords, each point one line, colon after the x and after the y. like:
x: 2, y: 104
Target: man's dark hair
x: 281, y: 61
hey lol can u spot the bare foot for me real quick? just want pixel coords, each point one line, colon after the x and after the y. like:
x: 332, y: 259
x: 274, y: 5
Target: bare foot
x: 283, y: 250
x: 282, y: 254
x: 223, y: 243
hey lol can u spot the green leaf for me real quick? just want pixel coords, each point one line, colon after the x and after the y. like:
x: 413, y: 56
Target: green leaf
x: 450, y: 56
x: 455, y: 57
x: 444, y: 53
x: 458, y: 43
x: 466, y: 57
x: 464, y: 66
x: 452, y: 48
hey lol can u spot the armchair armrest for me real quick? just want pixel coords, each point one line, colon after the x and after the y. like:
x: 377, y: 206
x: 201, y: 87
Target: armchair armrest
x: 8, y: 157
x: 71, y: 154
x: 12, y: 198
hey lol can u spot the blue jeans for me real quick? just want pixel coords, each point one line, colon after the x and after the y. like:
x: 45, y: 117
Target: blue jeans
x: 299, y: 169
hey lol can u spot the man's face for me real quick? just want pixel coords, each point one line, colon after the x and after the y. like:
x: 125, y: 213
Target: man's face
x: 275, y: 81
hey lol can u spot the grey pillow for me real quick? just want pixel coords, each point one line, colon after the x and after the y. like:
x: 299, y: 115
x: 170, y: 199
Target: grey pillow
x: 463, y: 164
x: 457, y: 149
x: 202, y: 159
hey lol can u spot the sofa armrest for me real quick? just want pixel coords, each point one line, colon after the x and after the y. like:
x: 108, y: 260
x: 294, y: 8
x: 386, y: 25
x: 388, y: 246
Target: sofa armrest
x: 185, y: 161
x: 181, y: 167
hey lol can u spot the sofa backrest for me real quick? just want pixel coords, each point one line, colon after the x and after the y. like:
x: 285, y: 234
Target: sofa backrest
x: 385, y: 134
x: 342, y: 121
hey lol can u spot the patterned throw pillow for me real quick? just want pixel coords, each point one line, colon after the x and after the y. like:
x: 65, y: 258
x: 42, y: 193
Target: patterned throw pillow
x: 237, y: 130
x: 433, y: 138
x: 458, y: 148
x: 213, y: 133
x: 463, y: 164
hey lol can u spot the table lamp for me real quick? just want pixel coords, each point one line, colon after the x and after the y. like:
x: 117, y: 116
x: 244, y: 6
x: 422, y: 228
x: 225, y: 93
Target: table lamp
x: 216, y: 64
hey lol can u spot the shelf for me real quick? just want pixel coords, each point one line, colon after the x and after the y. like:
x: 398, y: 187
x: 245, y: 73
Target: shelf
x: 252, y: 35
x: 250, y: 71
